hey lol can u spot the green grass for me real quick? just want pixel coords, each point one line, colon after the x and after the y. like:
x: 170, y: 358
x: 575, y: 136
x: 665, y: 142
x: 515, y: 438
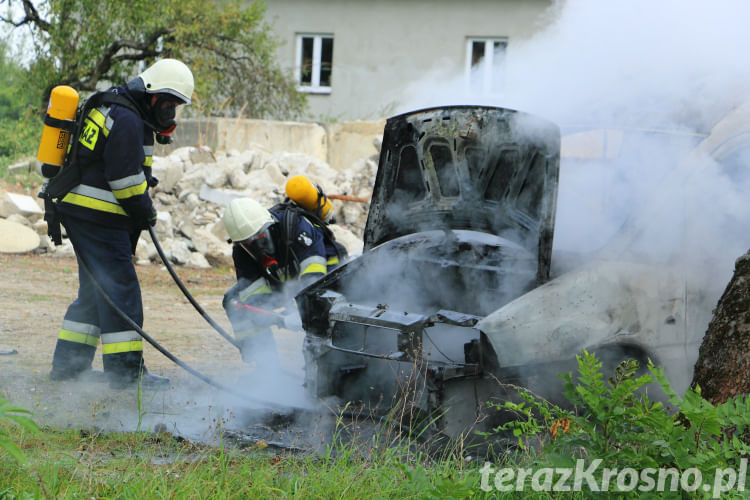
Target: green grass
x: 76, y: 464
x: 616, y: 424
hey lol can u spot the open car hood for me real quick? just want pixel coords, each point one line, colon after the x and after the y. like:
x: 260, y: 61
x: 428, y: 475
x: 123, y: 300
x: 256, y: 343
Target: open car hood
x: 484, y: 169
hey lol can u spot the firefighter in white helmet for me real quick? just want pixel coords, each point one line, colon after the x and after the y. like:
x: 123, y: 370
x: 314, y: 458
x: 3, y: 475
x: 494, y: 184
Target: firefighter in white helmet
x: 104, y: 215
x: 276, y: 253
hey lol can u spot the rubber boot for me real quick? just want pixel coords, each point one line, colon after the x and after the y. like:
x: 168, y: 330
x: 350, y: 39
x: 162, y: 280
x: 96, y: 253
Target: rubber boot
x: 126, y: 369
x: 147, y: 380
x: 71, y: 360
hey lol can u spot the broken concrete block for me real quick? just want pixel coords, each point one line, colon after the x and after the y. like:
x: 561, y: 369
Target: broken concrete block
x: 216, y: 251
x: 352, y: 244
x: 239, y: 179
x: 220, y: 196
x: 20, y: 219
x: 202, y: 154
x: 179, y: 253
x: 64, y: 250
x: 21, y: 204
x: 215, y: 176
x: 17, y: 238
x: 40, y: 227
x: 198, y: 261
x: 169, y: 171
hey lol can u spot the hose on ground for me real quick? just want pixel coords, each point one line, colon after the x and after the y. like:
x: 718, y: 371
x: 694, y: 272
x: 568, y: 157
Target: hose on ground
x: 162, y: 350
x: 187, y: 294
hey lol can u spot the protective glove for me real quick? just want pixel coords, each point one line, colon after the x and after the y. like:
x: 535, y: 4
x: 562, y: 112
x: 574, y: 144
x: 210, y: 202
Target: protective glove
x: 149, y: 221
x: 153, y: 181
x: 231, y: 297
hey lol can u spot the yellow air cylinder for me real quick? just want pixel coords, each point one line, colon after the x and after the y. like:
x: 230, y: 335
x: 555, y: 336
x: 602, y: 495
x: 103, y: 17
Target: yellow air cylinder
x: 63, y: 102
x: 300, y: 190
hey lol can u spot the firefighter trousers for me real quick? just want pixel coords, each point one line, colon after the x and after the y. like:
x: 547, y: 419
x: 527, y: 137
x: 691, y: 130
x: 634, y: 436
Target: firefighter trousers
x: 107, y: 253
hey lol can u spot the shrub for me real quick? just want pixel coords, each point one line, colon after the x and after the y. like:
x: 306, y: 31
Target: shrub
x: 615, y: 421
x: 17, y: 415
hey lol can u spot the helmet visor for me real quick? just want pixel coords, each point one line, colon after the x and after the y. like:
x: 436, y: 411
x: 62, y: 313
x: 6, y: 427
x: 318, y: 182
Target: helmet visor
x: 176, y: 96
x: 259, y: 245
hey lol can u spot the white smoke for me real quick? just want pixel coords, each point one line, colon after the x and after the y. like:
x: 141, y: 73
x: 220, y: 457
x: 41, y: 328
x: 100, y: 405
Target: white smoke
x: 616, y: 62
x: 656, y: 76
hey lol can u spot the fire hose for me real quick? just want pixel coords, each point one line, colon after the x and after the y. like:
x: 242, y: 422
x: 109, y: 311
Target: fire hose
x: 186, y: 293
x: 158, y: 346
x: 197, y: 307
x: 279, y: 319
x: 161, y: 349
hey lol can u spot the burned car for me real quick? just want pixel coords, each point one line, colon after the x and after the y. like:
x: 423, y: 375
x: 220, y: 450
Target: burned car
x: 460, y: 223
x: 455, y: 299
x: 649, y: 290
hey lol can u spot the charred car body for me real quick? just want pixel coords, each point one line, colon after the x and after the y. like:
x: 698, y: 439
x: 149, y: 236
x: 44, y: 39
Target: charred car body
x: 456, y: 289
x: 460, y: 223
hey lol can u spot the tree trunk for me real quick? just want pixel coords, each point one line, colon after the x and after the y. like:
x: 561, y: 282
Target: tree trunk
x: 723, y: 366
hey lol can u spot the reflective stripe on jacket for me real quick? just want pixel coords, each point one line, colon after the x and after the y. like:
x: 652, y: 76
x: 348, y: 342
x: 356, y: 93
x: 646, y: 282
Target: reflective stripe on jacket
x: 115, y: 155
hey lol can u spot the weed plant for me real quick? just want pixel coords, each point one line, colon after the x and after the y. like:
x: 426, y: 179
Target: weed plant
x: 609, y: 419
x: 20, y: 416
x: 614, y: 421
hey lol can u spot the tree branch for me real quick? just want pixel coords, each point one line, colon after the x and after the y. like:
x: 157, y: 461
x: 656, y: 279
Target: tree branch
x: 31, y: 16
x: 144, y: 50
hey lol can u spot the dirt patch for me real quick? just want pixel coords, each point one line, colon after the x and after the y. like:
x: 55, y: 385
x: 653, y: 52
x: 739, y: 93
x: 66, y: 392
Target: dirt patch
x: 35, y: 291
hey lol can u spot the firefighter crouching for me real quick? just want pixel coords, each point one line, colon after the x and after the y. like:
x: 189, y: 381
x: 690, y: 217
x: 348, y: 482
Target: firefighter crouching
x: 103, y: 217
x: 276, y: 253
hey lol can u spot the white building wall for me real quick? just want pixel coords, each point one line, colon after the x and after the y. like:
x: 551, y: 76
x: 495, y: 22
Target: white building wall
x: 383, y: 46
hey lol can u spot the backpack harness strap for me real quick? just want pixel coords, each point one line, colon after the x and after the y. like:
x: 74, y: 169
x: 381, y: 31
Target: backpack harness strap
x: 70, y: 174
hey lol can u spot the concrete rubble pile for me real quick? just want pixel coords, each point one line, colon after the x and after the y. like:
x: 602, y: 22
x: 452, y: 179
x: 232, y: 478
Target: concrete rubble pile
x: 195, y: 186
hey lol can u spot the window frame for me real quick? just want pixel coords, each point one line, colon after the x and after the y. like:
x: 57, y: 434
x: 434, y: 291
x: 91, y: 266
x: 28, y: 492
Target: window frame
x: 487, y: 84
x: 314, y: 87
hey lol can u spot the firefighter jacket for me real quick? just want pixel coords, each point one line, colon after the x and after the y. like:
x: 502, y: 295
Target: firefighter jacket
x: 114, y: 153
x: 306, y: 259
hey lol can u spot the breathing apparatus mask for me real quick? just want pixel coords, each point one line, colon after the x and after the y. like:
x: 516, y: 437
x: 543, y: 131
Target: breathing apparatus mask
x: 163, y: 113
x: 260, y: 247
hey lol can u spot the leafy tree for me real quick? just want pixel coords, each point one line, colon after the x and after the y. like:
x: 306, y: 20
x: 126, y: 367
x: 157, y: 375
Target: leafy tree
x: 89, y: 44
x: 19, y: 121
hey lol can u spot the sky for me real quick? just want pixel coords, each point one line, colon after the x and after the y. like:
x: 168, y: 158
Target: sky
x: 19, y: 39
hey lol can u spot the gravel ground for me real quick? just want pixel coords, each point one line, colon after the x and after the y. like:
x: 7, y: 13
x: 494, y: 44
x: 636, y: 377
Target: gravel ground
x: 35, y: 291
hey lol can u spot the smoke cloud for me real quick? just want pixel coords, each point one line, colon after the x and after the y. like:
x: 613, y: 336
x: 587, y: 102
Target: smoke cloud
x: 635, y: 86
x: 617, y: 62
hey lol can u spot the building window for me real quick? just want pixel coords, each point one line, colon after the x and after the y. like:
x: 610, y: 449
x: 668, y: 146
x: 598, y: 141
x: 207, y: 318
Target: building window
x: 485, y: 65
x: 314, y: 63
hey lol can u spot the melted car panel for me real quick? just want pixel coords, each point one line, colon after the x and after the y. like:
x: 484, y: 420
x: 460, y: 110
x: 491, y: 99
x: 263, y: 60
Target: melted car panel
x: 460, y: 224
x: 485, y: 169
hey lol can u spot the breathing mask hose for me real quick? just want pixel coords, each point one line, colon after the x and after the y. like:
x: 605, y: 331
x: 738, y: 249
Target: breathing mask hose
x: 185, y: 291
x: 162, y: 350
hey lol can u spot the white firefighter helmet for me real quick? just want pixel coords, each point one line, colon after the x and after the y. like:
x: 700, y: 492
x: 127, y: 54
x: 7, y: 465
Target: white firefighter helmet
x: 169, y: 76
x: 245, y: 217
